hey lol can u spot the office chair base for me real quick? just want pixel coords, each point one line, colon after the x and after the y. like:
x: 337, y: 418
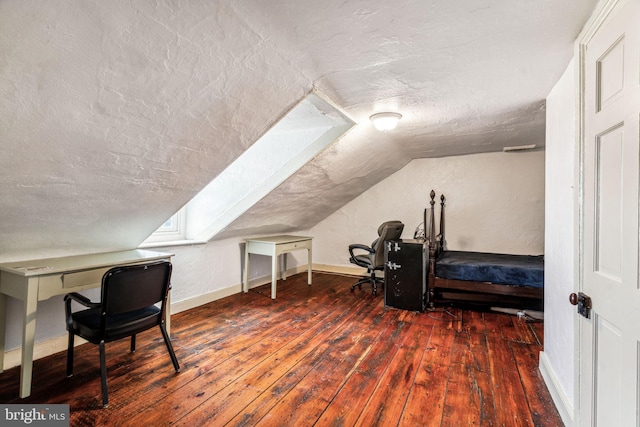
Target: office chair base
x: 373, y: 281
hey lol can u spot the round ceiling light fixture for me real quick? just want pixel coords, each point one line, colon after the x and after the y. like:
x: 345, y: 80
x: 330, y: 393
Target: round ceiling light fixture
x: 385, y: 121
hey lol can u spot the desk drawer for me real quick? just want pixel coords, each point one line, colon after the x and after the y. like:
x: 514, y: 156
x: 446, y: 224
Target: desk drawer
x: 304, y: 244
x: 56, y: 284
x: 59, y: 284
x: 83, y: 278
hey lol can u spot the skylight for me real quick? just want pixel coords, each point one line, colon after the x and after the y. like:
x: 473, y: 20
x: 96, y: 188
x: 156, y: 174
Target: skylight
x: 298, y: 137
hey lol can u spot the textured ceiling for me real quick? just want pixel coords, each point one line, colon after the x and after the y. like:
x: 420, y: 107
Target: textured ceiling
x: 115, y: 113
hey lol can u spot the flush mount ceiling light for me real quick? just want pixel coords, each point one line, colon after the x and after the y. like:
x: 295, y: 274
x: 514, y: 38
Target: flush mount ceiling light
x: 385, y: 121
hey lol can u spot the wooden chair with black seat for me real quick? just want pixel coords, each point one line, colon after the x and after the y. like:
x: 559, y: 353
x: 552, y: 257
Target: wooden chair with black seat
x: 128, y: 306
x: 372, y: 257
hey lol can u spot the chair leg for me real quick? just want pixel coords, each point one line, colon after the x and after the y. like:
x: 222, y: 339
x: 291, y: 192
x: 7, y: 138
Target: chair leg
x: 103, y: 375
x: 372, y: 280
x: 70, y: 355
x: 359, y: 283
x: 167, y: 341
x: 133, y: 343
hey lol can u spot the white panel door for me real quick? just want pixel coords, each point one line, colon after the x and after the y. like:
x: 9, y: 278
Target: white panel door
x: 610, y: 338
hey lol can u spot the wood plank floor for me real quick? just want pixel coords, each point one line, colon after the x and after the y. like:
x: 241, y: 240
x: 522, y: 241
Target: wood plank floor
x: 319, y: 355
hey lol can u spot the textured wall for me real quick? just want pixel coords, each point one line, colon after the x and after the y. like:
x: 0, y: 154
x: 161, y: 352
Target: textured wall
x: 511, y: 183
x: 114, y: 114
x: 495, y: 202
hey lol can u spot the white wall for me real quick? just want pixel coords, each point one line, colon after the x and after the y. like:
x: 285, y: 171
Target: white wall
x: 559, y: 355
x: 494, y: 203
x: 200, y: 273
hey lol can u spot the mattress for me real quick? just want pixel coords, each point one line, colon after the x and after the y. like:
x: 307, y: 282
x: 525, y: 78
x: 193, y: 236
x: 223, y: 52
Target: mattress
x: 517, y: 270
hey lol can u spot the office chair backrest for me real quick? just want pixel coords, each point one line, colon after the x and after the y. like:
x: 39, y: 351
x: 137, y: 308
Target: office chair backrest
x: 133, y: 287
x: 389, y: 230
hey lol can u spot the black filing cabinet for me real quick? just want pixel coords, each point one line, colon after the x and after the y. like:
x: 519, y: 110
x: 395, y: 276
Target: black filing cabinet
x: 405, y: 275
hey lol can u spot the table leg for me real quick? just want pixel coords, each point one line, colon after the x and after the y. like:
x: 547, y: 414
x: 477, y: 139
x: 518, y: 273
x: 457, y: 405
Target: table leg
x: 309, y: 266
x: 274, y: 273
x: 284, y: 266
x: 28, y: 337
x: 245, y: 275
x: 3, y: 328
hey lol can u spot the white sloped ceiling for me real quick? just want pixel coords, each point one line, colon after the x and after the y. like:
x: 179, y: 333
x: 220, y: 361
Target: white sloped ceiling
x: 115, y: 113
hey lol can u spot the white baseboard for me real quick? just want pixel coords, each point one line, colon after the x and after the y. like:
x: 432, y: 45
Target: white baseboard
x: 41, y: 349
x: 54, y: 345
x: 194, y: 302
x: 564, y: 406
x: 338, y: 269
x: 51, y: 346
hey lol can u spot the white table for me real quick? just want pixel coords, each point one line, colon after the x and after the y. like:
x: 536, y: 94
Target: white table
x: 38, y: 280
x: 274, y: 246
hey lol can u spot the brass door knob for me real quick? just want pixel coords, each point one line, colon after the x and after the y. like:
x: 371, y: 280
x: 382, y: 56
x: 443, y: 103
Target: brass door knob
x: 573, y: 298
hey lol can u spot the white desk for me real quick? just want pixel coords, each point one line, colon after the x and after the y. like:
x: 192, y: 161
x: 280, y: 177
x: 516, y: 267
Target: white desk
x: 38, y: 280
x: 274, y: 246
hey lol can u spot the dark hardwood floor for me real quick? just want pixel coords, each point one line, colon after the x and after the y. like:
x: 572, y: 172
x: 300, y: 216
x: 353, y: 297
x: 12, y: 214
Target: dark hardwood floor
x: 317, y: 355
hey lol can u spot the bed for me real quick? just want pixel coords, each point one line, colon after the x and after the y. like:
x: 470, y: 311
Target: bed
x: 480, y: 279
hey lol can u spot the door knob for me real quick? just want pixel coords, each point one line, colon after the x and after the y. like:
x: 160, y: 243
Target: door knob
x: 573, y: 298
x: 583, y: 302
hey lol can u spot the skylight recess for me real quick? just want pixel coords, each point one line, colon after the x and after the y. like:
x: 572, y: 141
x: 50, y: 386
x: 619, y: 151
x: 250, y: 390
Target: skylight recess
x: 306, y: 130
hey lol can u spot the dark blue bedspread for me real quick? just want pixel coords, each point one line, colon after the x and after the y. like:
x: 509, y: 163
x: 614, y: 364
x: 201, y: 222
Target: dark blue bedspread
x: 517, y: 270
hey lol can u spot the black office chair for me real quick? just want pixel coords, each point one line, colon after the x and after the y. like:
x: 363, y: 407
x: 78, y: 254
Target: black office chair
x: 127, y: 307
x: 372, y: 257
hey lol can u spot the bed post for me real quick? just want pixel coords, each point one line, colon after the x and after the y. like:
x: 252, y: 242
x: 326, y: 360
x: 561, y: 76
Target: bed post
x: 432, y: 250
x: 441, y: 239
x: 432, y: 224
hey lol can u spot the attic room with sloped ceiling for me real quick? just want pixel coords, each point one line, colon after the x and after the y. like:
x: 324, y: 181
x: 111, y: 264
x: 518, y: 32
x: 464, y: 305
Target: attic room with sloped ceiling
x: 116, y: 115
